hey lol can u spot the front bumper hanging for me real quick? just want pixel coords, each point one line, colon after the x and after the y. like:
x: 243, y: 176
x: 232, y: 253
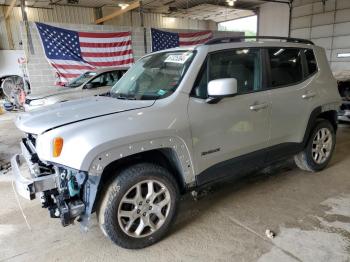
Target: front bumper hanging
x: 31, y: 184
x: 59, y: 188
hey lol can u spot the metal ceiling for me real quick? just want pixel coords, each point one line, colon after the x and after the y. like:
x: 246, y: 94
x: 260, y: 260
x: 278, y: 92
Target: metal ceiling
x: 200, y: 9
x: 211, y: 12
x: 179, y: 4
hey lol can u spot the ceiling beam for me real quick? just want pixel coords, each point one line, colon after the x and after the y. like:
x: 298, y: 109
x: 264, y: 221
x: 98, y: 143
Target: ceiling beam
x: 9, y: 10
x: 119, y: 12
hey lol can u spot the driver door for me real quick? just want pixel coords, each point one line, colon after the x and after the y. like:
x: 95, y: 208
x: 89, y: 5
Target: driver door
x: 229, y: 136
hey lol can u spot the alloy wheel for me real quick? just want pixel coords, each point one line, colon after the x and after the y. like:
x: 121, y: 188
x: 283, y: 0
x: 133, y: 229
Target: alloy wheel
x: 322, y: 146
x: 144, y: 208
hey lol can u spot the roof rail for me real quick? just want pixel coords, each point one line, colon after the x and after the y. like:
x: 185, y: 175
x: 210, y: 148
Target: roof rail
x: 234, y: 39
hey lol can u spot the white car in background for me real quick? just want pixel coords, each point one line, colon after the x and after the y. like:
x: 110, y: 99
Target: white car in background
x: 91, y: 83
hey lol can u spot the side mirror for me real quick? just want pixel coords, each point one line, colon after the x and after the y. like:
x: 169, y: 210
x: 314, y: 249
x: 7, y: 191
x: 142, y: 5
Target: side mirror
x: 89, y: 86
x: 220, y: 88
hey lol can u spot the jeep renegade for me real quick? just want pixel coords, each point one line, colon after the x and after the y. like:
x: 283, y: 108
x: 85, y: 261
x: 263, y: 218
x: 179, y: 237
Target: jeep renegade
x: 179, y: 119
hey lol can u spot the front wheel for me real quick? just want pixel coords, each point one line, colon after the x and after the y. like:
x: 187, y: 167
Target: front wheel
x: 139, y: 206
x: 319, y: 149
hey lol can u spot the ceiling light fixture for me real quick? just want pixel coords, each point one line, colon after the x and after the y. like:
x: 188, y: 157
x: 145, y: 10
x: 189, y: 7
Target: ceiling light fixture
x: 343, y: 55
x: 123, y: 6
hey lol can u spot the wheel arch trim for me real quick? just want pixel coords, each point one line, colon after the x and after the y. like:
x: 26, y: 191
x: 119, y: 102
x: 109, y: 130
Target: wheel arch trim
x: 316, y: 113
x: 175, y: 144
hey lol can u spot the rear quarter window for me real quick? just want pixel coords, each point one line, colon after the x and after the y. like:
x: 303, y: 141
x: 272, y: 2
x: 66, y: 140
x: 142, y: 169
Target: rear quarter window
x: 286, y: 66
x: 310, y: 62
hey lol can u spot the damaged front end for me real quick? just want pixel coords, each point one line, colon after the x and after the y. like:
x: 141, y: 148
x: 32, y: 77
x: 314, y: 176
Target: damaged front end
x: 65, y: 192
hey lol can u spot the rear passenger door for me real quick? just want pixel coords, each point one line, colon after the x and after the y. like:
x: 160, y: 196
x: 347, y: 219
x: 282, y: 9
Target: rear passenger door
x: 291, y: 71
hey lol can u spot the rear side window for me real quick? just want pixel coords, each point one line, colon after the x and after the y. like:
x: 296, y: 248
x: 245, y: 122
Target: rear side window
x: 286, y: 66
x: 310, y: 62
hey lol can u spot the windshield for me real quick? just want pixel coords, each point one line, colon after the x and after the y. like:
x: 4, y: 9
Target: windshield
x: 153, y: 77
x: 81, y: 79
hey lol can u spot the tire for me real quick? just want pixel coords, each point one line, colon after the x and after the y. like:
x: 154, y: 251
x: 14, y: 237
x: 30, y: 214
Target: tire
x: 122, y: 195
x: 307, y: 159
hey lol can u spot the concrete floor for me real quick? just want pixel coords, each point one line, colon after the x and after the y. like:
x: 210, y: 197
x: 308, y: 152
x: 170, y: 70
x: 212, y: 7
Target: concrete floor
x: 310, y: 214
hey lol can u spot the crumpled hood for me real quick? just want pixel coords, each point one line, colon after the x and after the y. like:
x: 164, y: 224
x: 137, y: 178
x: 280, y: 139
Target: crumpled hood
x: 50, y: 117
x: 60, y: 91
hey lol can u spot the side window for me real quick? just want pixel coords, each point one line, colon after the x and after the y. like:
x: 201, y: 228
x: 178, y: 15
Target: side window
x: 286, y: 67
x: 105, y: 79
x: 96, y: 82
x: 112, y: 78
x: 242, y: 64
x: 310, y: 61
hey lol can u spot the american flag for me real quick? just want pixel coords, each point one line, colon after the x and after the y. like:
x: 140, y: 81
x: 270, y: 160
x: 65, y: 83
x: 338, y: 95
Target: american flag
x: 163, y: 40
x: 72, y: 53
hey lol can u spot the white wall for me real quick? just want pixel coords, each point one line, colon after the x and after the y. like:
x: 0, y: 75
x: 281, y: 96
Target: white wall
x: 86, y: 16
x: 57, y: 14
x: 327, y: 26
x: 9, y: 62
x: 156, y: 20
x: 274, y: 19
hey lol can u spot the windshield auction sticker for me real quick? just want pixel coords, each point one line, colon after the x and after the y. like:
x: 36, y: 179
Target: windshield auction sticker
x: 178, y: 58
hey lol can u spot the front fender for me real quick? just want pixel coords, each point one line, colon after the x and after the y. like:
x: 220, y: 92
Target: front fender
x: 177, y: 144
x: 102, y: 160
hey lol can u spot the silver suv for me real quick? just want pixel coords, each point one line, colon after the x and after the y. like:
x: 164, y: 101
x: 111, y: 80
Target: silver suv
x: 178, y: 120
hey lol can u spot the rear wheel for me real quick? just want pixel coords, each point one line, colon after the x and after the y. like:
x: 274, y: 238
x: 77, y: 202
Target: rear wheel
x: 319, y: 149
x: 139, y: 206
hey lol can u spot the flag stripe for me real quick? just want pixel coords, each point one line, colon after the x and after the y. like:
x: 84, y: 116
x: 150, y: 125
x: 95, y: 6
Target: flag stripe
x: 114, y: 63
x: 104, y: 45
x: 104, y: 40
x: 104, y: 50
x: 80, y: 67
x: 72, y: 71
x: 195, y: 38
x: 103, y: 35
x: 194, y: 42
x: 108, y: 59
x: 70, y: 76
x: 195, y: 34
x: 105, y: 54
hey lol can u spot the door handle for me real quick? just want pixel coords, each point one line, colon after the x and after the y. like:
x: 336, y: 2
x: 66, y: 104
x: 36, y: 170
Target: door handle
x: 308, y: 95
x: 257, y: 107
